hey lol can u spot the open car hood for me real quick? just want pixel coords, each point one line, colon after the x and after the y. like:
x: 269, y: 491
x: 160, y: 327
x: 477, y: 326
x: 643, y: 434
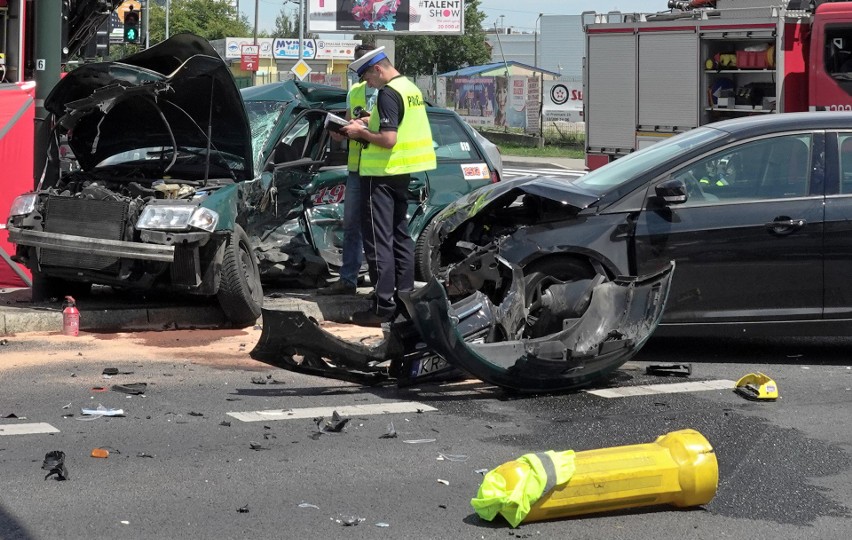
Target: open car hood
x: 175, y: 93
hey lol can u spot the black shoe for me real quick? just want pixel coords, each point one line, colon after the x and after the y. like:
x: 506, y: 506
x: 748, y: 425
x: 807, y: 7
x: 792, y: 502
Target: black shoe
x: 338, y: 287
x: 369, y: 318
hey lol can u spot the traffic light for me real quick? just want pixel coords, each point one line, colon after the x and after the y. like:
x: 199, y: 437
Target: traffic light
x: 131, y: 26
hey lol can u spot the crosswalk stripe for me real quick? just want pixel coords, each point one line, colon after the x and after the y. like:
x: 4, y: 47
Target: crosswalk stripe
x: 27, y: 429
x: 397, y: 407
x: 675, y: 388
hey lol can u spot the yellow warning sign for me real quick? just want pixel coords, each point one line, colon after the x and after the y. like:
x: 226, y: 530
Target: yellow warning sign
x: 301, y: 69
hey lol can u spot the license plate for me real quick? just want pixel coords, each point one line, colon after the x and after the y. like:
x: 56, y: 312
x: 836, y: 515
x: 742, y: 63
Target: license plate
x: 426, y: 366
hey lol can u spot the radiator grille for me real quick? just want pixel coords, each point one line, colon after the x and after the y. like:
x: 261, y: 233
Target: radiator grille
x: 89, y: 218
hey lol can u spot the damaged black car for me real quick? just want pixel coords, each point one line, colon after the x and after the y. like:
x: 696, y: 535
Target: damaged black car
x: 755, y: 212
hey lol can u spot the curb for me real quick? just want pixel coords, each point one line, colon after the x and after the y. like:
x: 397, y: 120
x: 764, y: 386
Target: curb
x: 107, y: 317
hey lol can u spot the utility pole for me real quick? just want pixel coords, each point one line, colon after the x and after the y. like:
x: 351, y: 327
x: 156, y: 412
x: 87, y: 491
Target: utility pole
x: 301, y: 28
x: 48, y: 63
x: 168, y: 9
x: 147, y: 23
x: 254, y: 73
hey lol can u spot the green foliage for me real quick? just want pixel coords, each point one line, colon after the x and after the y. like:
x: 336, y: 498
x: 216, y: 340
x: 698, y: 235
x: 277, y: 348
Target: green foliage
x: 210, y: 19
x: 286, y: 24
x: 418, y: 55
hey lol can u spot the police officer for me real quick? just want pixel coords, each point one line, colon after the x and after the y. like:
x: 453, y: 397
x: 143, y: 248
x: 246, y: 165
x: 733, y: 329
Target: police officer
x: 398, y: 142
x: 358, y: 105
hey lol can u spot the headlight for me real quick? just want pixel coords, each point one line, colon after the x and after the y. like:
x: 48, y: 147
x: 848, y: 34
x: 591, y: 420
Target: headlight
x: 23, y: 204
x: 177, y: 218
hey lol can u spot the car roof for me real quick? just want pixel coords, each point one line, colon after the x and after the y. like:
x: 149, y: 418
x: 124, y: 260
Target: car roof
x: 766, y: 124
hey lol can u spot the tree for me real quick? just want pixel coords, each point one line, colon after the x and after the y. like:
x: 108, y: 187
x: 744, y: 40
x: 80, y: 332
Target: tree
x: 286, y: 24
x: 418, y: 55
x: 210, y: 19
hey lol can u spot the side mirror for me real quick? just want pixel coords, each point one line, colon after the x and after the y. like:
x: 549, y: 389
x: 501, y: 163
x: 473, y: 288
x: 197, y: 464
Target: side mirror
x: 672, y: 191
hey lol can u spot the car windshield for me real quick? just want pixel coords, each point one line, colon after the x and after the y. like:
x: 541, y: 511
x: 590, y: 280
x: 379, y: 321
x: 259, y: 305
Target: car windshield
x: 263, y: 117
x: 625, y: 169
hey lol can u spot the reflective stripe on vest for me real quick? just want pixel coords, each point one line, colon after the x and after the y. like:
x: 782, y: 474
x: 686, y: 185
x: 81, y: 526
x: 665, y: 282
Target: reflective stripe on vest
x: 413, y: 150
x: 549, y: 468
x: 357, y: 98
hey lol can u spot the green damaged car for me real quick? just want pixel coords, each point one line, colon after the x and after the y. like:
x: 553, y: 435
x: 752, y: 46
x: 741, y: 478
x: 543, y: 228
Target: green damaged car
x: 297, y: 227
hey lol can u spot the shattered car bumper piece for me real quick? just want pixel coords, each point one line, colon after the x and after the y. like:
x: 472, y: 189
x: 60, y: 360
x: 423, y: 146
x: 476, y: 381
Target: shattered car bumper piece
x: 481, y: 338
x: 621, y: 315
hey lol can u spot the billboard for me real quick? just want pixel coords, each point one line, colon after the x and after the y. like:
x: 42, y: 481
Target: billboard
x: 475, y: 100
x: 386, y: 16
x: 563, y: 101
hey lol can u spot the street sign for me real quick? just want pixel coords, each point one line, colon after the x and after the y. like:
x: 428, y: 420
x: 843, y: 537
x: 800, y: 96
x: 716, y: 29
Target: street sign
x: 301, y: 69
x: 249, y: 57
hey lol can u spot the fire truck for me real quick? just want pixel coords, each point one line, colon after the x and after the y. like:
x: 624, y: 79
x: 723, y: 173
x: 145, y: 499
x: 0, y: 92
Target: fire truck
x: 78, y: 21
x: 650, y: 76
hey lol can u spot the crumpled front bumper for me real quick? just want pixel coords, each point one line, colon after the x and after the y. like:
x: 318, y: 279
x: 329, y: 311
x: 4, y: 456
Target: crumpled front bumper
x: 620, y: 317
x: 94, y: 246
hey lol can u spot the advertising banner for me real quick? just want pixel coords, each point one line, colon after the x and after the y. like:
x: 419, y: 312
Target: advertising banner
x: 386, y: 16
x: 328, y: 49
x: 233, y: 47
x: 288, y: 48
x: 474, y: 100
x: 516, y: 111
x: 563, y: 101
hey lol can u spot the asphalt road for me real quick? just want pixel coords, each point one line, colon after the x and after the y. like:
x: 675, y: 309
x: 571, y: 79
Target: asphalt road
x: 175, y: 471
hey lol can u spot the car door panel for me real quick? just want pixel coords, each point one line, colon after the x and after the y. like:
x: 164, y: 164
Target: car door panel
x: 745, y: 254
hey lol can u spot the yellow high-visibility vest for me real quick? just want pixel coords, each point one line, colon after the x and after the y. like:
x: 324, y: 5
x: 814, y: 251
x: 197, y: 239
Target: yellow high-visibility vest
x: 357, y: 98
x: 413, y: 150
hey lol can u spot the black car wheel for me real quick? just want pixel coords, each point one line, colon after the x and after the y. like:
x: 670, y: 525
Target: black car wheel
x: 547, y: 311
x: 426, y: 261
x: 240, y: 291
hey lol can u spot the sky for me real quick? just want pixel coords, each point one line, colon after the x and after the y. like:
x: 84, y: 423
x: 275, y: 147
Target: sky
x: 518, y: 14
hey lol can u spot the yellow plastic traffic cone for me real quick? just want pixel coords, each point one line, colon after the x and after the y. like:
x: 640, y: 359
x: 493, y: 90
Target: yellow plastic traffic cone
x: 679, y: 468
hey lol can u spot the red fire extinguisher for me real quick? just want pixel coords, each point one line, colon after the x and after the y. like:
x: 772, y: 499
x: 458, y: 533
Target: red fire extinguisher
x: 70, y: 317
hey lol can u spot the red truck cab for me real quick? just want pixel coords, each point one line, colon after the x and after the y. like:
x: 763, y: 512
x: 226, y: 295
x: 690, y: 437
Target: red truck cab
x: 830, y: 80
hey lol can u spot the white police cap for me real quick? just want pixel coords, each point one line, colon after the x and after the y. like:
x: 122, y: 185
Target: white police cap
x: 367, y: 61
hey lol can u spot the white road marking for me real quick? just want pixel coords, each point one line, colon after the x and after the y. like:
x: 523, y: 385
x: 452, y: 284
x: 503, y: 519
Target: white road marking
x: 27, y: 429
x: 675, y: 388
x: 397, y: 407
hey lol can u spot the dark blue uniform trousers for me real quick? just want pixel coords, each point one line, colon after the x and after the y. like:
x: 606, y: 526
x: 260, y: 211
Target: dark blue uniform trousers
x: 387, y: 245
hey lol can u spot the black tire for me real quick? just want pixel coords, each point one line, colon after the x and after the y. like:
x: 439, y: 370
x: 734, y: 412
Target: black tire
x: 45, y: 289
x: 426, y: 259
x: 240, y: 292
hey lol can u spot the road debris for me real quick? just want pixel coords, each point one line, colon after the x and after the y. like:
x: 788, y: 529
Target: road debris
x: 100, y: 453
x: 4, y: 342
x: 419, y: 441
x: 243, y: 509
x: 225, y: 423
x: 257, y: 446
x: 452, y: 457
x: 308, y: 505
x: 445, y: 482
x: 110, y: 371
x: 131, y: 388
x: 677, y: 370
x: 100, y: 410
x: 382, y: 524
x: 54, y: 463
x: 335, y: 425
x: 144, y: 455
x: 193, y: 413
x: 350, y: 521
x: 757, y: 386
x: 391, y: 432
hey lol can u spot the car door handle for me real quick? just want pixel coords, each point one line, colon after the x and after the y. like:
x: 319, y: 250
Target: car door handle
x: 783, y: 226
x: 784, y: 223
